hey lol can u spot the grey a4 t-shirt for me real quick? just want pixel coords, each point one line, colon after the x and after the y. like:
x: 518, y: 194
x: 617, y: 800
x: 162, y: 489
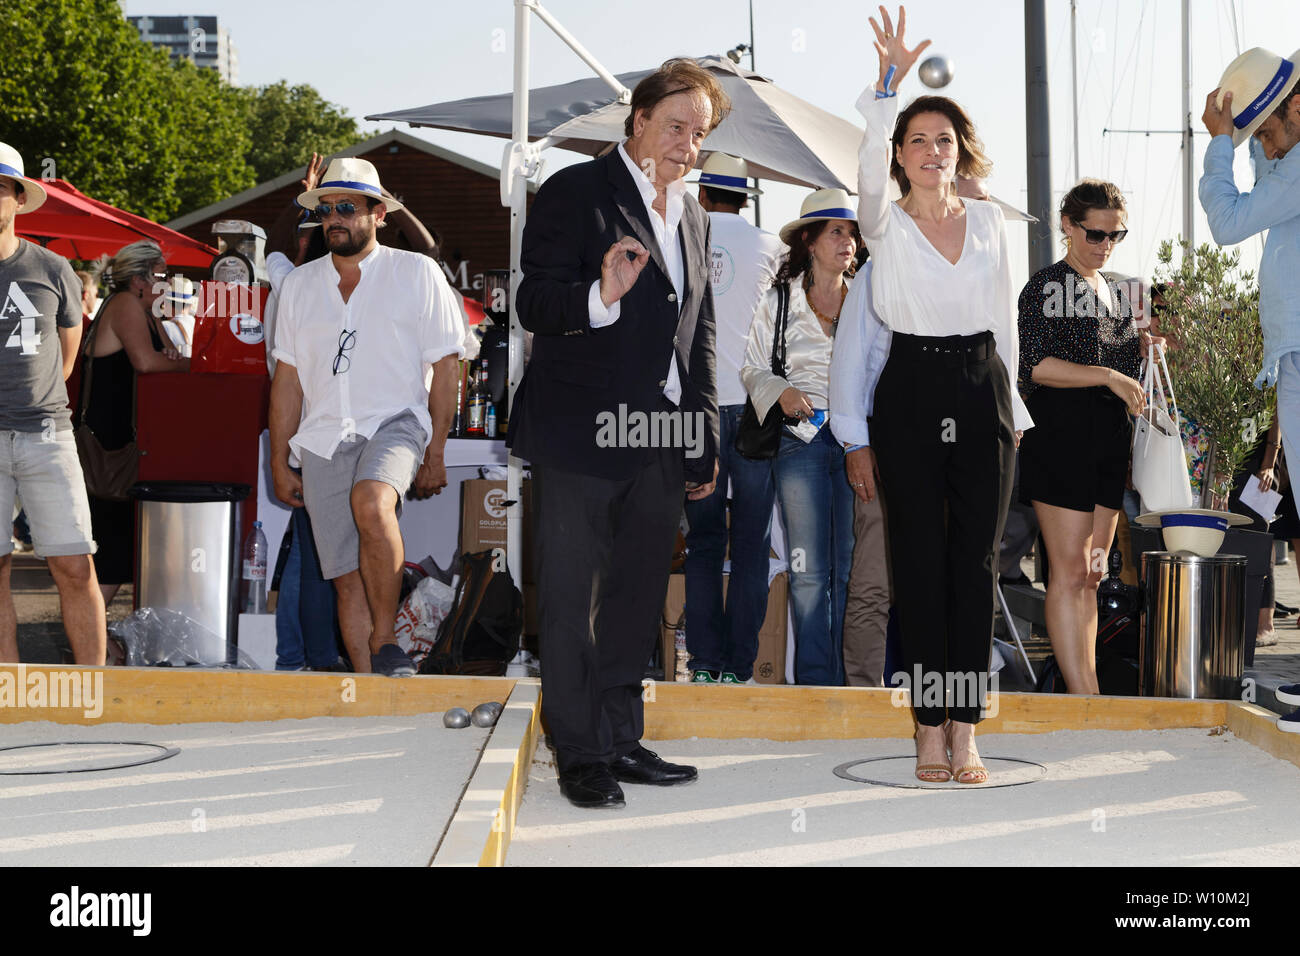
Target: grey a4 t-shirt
x: 39, y: 294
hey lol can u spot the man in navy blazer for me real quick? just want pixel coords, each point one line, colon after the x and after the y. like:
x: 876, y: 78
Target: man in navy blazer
x: 617, y: 413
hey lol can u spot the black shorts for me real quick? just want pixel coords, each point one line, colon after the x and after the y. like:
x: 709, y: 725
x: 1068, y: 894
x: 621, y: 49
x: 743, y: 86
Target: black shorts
x: 1077, y: 454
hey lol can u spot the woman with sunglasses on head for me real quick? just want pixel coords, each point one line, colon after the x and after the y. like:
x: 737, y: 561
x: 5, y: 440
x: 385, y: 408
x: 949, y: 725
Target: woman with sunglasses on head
x: 1080, y: 358
x: 125, y: 339
x: 944, y: 417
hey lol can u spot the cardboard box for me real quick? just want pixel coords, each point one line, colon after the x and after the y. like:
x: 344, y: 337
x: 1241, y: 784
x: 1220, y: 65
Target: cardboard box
x: 483, y: 519
x: 769, y: 665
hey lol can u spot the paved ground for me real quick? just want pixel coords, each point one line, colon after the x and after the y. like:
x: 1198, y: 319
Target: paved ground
x: 1159, y: 798
x: 329, y: 791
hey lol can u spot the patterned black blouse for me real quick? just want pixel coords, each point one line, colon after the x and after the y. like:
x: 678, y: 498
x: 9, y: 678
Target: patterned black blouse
x: 1061, y: 317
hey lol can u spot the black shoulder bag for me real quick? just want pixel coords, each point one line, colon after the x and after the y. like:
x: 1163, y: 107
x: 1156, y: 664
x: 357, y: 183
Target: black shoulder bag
x: 755, y: 439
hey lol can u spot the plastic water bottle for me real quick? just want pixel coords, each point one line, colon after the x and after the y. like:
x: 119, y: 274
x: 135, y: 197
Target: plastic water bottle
x: 253, y: 596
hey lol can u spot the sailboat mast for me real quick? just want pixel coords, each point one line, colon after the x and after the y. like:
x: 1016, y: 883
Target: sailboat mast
x: 1189, y: 182
x: 1074, y: 81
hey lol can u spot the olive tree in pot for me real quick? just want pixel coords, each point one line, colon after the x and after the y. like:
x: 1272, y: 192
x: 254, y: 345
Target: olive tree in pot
x: 1211, y: 318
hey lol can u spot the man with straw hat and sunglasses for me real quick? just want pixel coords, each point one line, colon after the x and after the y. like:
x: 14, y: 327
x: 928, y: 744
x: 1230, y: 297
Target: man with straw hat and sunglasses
x: 40, y: 329
x: 357, y: 333
x: 1259, y: 96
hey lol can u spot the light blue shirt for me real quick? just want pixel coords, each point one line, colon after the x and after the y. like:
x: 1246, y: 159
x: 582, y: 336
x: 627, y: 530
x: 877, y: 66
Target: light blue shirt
x: 861, y: 348
x: 1273, y: 205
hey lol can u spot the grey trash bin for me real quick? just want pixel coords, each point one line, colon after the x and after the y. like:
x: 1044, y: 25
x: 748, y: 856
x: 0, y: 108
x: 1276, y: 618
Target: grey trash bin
x: 1193, y: 631
x: 188, y: 554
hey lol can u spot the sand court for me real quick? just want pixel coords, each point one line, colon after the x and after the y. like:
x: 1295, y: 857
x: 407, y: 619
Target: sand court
x: 320, y: 770
x: 1165, y: 797
x: 377, y: 791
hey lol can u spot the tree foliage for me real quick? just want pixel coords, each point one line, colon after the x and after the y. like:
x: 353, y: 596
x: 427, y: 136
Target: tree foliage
x: 292, y: 122
x: 1212, y: 318
x: 86, y: 100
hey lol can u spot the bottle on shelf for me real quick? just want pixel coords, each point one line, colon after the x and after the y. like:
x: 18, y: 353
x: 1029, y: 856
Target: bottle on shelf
x: 478, y: 402
x: 458, y: 422
x: 490, y: 428
x: 253, y: 582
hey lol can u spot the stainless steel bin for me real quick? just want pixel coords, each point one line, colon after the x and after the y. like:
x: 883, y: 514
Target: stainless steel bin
x: 187, y: 557
x: 1193, y: 631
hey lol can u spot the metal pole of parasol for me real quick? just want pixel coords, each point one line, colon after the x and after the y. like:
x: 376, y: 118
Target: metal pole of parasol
x: 522, y: 161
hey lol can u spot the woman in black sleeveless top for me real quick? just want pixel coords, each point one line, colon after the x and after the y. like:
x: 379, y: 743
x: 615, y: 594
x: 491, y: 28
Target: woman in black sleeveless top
x: 126, y: 339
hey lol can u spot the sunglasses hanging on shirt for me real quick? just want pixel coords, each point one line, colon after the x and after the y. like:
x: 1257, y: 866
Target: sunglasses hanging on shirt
x: 347, y: 339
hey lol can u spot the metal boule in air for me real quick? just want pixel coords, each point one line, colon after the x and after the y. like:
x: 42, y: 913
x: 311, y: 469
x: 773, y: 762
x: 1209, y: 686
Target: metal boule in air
x: 936, y: 72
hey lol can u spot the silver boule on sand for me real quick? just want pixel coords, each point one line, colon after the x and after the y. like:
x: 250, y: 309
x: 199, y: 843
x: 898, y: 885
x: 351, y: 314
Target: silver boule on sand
x: 456, y: 717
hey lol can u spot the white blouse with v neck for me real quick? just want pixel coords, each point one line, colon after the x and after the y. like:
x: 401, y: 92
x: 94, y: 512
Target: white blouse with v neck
x: 914, y: 288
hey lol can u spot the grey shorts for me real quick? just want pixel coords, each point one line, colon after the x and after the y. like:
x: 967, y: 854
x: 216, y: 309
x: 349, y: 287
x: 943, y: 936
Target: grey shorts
x: 392, y: 455
x: 42, y: 471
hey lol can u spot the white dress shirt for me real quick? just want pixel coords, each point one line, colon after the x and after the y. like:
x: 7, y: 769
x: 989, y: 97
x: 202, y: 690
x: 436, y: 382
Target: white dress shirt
x: 914, y: 288
x: 405, y: 316
x: 666, y: 233
x: 744, y: 263
x: 808, y: 353
x: 861, y: 350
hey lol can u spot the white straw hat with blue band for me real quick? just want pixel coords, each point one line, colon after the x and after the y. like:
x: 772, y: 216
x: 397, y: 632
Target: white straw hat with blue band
x: 820, y: 205
x: 1195, y: 530
x: 721, y: 171
x: 11, y: 166
x: 1257, y: 80
x: 348, y: 175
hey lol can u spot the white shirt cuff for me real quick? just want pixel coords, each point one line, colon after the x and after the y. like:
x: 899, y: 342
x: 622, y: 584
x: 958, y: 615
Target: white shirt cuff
x: 597, y: 315
x: 434, y: 355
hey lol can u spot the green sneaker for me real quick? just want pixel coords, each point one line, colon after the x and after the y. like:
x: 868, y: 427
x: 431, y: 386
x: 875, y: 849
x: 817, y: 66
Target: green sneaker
x: 730, y: 678
x: 704, y: 677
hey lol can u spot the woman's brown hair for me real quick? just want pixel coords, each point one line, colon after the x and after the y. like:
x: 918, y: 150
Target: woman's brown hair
x: 1090, y: 194
x: 971, y: 161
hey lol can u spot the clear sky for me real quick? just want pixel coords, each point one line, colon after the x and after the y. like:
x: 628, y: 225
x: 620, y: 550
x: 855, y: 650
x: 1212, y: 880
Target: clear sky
x: 394, y: 54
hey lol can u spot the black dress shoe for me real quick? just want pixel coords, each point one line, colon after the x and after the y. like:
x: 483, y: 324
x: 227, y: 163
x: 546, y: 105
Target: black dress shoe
x: 644, y: 766
x: 591, y: 785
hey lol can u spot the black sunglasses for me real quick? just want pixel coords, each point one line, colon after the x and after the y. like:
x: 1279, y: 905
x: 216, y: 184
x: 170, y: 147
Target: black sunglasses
x: 347, y: 339
x: 1096, y: 237
x: 345, y: 209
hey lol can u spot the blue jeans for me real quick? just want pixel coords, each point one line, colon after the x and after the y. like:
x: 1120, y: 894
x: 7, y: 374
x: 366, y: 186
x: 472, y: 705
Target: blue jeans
x: 727, y: 639
x: 306, y: 618
x: 817, y: 508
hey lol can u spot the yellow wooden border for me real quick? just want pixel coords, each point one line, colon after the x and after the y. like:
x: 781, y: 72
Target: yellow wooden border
x: 674, y: 711
x: 484, y: 822
x: 1258, y: 726
x: 159, y: 695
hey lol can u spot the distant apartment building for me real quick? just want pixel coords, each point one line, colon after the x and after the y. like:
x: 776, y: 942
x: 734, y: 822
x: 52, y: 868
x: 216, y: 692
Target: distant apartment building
x: 197, y: 38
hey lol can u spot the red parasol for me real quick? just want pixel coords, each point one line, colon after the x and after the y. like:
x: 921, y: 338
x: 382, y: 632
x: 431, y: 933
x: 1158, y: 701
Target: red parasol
x: 79, y: 227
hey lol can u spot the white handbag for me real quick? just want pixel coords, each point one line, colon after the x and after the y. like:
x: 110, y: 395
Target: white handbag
x: 1159, y: 459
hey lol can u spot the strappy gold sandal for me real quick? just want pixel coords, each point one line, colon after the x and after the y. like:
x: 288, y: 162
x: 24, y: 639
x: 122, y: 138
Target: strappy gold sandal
x: 930, y: 772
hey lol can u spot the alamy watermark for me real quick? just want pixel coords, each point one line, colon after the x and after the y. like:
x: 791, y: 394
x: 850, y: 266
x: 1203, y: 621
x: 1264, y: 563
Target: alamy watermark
x: 638, y: 429
x: 53, y: 689
x: 976, y: 690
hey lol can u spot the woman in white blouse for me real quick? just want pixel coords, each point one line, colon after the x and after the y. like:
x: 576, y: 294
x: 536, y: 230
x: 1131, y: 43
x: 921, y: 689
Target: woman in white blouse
x: 816, y: 501
x: 945, y: 418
